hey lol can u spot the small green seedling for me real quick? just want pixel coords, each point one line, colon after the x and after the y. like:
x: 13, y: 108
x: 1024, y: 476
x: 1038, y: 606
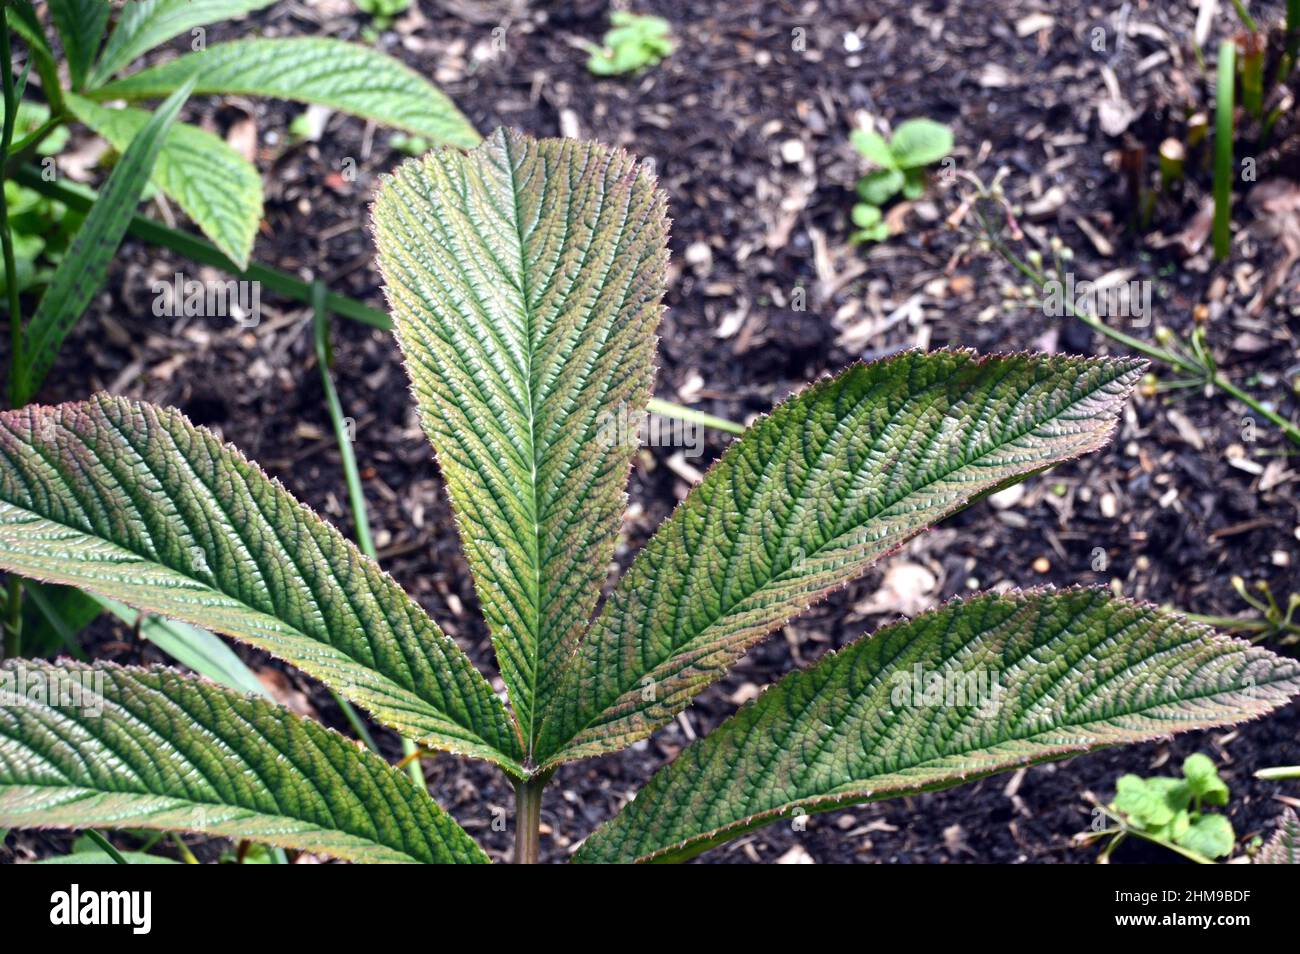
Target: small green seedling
x: 381, y: 15
x: 902, y: 161
x: 1171, y: 811
x: 411, y: 145
x: 635, y: 42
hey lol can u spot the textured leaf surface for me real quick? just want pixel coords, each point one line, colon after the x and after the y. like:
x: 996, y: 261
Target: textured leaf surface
x: 805, y: 501
x: 154, y: 749
x: 81, y: 27
x: 525, y: 280
x: 346, y: 76
x: 215, y: 186
x: 134, y: 503
x: 219, y: 189
x: 1283, y: 848
x: 144, y: 24
x: 1074, y: 671
x: 85, y: 266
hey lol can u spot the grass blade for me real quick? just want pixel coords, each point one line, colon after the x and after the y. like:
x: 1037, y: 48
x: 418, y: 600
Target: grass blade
x: 85, y: 267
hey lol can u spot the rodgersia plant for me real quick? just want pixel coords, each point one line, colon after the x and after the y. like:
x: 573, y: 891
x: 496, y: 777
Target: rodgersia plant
x: 525, y: 280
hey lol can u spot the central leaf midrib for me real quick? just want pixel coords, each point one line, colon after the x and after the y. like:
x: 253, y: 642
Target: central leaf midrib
x: 534, y: 651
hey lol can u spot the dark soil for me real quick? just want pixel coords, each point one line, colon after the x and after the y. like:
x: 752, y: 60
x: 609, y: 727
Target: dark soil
x: 749, y: 136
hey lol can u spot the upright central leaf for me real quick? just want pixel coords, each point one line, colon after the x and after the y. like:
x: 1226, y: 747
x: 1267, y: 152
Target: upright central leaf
x: 525, y: 280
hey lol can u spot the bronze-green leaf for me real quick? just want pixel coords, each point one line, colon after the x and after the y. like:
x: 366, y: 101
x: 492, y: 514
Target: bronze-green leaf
x: 525, y: 279
x: 958, y: 693
x: 133, y: 502
x: 102, y: 746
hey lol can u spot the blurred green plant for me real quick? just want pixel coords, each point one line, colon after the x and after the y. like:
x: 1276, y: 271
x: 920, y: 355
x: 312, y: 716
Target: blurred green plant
x: 634, y: 42
x: 381, y: 12
x: 901, y: 162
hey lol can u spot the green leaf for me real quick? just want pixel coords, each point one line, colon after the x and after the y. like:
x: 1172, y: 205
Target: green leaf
x: 1021, y: 679
x: 865, y: 216
x: 1284, y: 847
x: 1203, y: 779
x: 355, y: 79
x: 81, y: 28
x: 1150, y: 802
x: 880, y: 186
x: 27, y: 24
x: 132, y: 502
x: 805, y: 501
x: 85, y: 266
x: 216, y: 186
x: 873, y: 147
x: 525, y: 280
x: 103, y: 858
x: 140, y: 748
x: 919, y: 142
x: 144, y: 24
x: 1209, y: 835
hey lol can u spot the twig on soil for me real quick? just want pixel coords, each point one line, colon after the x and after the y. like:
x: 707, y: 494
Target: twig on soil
x: 1191, y: 357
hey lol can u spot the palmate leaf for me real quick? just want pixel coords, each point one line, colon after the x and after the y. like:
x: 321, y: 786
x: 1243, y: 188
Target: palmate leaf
x: 150, y: 748
x: 807, y: 499
x: 132, y: 502
x: 144, y: 24
x: 960, y: 692
x: 85, y: 266
x: 525, y: 280
x: 355, y: 79
x: 215, y: 186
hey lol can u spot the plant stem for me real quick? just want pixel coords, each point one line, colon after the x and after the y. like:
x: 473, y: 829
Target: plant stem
x: 6, y: 237
x: 199, y: 250
x: 187, y: 856
x: 106, y: 846
x: 1292, y: 32
x: 24, y: 147
x: 356, y: 496
x: 1279, y: 773
x: 1223, y: 150
x: 1214, y: 378
x: 1246, y: 18
x: 528, y: 819
x: 12, y: 644
x: 666, y: 409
